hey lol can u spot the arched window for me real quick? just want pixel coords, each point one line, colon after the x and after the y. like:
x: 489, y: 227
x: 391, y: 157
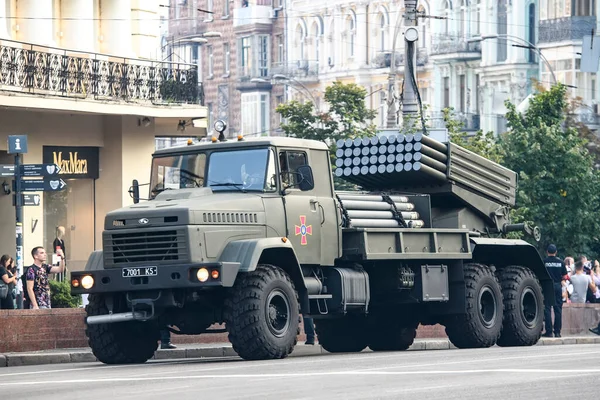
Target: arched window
x: 300, y: 39
x: 532, y: 39
x: 501, y: 20
x: 331, y: 36
x: 447, y: 7
x: 423, y: 22
x: 382, y: 25
x: 315, y: 32
x: 351, y: 34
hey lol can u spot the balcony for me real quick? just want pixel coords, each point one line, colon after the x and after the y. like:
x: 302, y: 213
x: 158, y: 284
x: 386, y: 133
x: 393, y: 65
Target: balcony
x: 302, y: 70
x: 453, y: 46
x: 564, y: 29
x: 46, y: 71
x: 470, y: 122
x: 253, y: 14
x: 383, y: 59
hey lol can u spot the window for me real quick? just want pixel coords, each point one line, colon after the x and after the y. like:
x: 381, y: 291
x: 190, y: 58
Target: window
x: 382, y: 30
x: 181, y: 8
x: 382, y: 108
x: 593, y: 89
x: 211, y: 119
x: 300, y: 41
x: 226, y: 8
x: 289, y: 162
x: 245, y: 56
x: 195, y: 54
x: 477, y: 85
x: 502, y: 51
x: 241, y: 170
x: 209, y: 49
x: 209, y: 7
x: 263, y: 55
x: 463, y: 93
x: 227, y: 58
x: 177, y: 172
x: 279, y: 100
x: 255, y: 114
x: 532, y: 21
x: 280, y: 48
x: 350, y: 32
x: 446, y: 92
x: 462, y: 20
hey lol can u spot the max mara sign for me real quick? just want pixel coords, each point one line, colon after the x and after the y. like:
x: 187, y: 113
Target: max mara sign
x: 74, y: 162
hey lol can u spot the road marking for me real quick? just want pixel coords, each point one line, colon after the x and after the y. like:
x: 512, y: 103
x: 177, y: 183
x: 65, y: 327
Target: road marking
x: 309, y: 374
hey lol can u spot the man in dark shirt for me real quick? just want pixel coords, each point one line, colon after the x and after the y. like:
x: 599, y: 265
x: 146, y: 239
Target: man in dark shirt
x: 557, y: 270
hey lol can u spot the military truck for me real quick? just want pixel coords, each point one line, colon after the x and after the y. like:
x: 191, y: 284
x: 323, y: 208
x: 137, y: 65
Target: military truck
x: 250, y: 233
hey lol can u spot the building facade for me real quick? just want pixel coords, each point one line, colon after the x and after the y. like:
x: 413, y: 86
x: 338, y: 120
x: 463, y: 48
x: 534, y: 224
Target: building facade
x: 84, y: 80
x: 562, y: 26
x: 236, y: 45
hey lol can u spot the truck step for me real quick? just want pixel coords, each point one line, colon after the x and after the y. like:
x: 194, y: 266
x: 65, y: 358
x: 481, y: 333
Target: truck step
x: 319, y: 296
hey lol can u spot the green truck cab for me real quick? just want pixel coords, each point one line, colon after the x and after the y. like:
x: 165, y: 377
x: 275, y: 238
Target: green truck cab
x: 250, y: 233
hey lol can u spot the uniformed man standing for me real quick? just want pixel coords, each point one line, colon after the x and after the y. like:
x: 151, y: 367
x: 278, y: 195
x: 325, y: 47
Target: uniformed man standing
x: 557, y: 270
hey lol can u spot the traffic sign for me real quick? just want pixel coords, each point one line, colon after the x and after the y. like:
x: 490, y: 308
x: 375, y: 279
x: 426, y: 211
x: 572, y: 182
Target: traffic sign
x: 43, y: 185
x: 39, y: 169
x: 31, y: 199
x: 17, y: 144
x: 7, y: 170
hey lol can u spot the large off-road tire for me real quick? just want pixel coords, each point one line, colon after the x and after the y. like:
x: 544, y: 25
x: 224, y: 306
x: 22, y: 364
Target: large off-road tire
x: 523, y: 307
x: 391, y: 335
x: 342, y: 335
x: 122, y: 342
x: 481, y: 325
x: 262, y: 314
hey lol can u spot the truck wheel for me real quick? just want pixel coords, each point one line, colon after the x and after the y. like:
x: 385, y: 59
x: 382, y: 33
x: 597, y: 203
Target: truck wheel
x: 342, y: 335
x: 121, y: 342
x: 523, y: 307
x: 262, y: 314
x: 481, y: 325
x: 391, y: 336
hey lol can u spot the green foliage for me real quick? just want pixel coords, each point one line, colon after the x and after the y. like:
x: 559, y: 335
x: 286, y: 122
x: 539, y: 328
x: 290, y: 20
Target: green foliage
x: 558, y: 187
x: 347, y: 117
x: 61, y: 297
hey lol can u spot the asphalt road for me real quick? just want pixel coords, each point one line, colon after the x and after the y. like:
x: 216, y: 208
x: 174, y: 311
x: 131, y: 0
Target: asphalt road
x: 539, y: 372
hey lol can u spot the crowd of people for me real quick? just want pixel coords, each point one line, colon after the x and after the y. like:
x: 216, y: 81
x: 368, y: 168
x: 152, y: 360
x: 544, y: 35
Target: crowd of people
x: 574, y: 282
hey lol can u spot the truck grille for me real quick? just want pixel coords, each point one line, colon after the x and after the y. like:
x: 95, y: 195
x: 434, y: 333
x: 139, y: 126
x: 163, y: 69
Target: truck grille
x: 162, y: 246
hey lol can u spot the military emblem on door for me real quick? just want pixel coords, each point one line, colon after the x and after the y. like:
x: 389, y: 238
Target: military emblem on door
x: 303, y: 230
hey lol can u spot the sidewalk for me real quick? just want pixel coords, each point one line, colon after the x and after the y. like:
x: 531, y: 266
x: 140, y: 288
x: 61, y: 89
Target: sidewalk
x: 218, y: 350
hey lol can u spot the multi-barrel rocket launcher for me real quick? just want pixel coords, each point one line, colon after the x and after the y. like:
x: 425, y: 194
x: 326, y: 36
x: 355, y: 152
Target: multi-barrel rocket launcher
x: 425, y: 180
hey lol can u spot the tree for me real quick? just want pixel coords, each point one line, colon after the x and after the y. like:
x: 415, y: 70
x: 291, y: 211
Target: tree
x: 347, y: 117
x: 558, y: 187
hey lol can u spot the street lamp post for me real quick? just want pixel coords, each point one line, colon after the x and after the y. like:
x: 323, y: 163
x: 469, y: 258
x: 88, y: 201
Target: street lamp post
x: 409, y: 100
x: 513, y: 38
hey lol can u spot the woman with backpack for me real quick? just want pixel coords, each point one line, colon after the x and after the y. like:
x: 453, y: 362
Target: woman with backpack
x: 9, y: 279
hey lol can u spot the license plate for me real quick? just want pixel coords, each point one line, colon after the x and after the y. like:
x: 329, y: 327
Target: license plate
x: 139, y: 271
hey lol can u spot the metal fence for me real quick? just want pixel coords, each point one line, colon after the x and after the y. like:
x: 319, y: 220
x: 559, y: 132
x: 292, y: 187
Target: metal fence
x: 34, y: 69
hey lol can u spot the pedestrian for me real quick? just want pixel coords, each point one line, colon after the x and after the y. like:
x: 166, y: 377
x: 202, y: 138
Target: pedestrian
x: 38, y: 287
x: 165, y: 339
x: 10, y: 280
x: 557, y: 271
x: 309, y: 330
x: 581, y: 283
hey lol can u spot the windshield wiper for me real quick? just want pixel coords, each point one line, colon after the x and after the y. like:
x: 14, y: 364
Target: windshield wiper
x: 238, y: 186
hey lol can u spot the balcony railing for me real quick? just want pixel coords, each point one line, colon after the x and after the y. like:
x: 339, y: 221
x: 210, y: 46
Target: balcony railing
x: 33, y: 69
x: 469, y: 122
x: 561, y: 29
x: 383, y: 59
x: 453, y: 43
x: 307, y: 70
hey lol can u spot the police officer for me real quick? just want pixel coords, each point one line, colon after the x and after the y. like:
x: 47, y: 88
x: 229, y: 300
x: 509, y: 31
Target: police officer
x: 557, y: 270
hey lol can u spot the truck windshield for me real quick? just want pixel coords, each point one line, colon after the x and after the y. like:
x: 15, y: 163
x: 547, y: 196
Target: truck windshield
x: 177, y: 172
x: 244, y: 170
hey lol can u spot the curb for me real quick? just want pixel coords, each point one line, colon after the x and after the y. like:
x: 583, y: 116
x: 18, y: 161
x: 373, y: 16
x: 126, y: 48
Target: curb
x: 225, y: 350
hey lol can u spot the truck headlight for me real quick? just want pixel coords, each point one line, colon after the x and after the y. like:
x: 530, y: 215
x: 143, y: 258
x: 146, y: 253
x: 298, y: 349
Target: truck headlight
x: 87, y: 282
x: 202, y: 274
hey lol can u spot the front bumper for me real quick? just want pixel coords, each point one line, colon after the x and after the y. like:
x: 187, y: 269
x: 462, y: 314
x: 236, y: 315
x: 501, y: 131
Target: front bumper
x: 167, y: 277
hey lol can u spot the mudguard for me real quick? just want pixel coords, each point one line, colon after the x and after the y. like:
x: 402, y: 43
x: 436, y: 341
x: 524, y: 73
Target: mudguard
x: 505, y: 252
x: 252, y: 252
x: 95, y: 262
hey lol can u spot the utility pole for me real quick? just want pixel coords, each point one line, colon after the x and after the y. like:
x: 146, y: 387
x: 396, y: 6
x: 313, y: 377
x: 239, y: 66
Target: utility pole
x: 410, y: 106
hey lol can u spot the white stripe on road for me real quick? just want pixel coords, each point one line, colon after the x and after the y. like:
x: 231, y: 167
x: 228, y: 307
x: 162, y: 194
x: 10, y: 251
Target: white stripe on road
x: 308, y: 375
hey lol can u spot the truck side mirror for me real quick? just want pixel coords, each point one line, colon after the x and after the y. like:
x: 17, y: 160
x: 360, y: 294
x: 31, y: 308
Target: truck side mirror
x: 134, y: 191
x: 306, y: 181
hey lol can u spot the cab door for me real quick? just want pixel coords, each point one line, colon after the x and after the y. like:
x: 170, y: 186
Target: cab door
x: 303, y: 214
